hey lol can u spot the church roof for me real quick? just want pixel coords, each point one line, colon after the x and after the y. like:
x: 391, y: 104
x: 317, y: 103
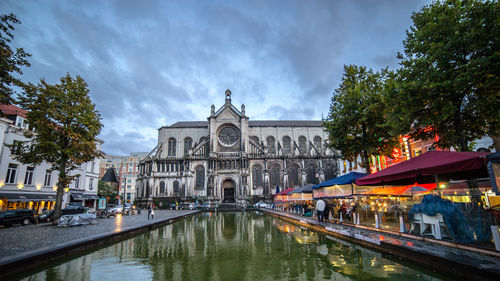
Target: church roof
x: 109, y: 176
x: 256, y: 123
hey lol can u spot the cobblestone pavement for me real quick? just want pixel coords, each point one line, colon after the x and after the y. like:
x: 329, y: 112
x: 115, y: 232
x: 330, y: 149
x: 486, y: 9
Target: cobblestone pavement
x: 477, y: 260
x: 20, y: 240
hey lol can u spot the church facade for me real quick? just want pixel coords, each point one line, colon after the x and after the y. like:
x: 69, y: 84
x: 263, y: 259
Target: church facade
x: 230, y: 158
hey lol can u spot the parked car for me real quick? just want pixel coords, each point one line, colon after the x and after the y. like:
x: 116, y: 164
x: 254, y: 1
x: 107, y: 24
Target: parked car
x: 113, y: 211
x: 207, y: 205
x: 45, y: 216
x: 22, y: 216
x: 194, y: 206
x: 73, y: 209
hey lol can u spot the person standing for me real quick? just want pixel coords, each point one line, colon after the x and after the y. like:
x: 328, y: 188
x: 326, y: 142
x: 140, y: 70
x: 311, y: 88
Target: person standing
x: 326, y: 213
x: 320, y: 208
x: 152, y: 213
x: 150, y: 209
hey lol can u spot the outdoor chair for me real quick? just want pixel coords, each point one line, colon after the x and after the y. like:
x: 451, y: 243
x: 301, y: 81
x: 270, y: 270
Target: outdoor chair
x: 431, y: 225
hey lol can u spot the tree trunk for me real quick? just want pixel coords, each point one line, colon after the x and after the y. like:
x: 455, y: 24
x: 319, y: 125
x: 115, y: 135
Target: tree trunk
x: 57, y: 211
x: 61, y: 184
x: 366, y: 162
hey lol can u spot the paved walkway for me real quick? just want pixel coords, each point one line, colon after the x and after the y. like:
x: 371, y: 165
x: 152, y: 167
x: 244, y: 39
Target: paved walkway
x: 19, y: 242
x: 477, y: 260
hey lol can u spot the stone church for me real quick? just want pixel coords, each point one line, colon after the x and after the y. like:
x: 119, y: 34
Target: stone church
x: 230, y: 158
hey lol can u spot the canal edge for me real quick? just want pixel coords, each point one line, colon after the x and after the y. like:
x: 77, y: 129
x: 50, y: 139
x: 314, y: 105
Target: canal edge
x: 439, y: 264
x: 40, y: 257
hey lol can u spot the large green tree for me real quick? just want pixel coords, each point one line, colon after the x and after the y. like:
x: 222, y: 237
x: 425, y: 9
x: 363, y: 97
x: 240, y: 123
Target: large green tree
x: 10, y: 61
x: 449, y: 80
x: 65, y: 125
x: 356, y: 123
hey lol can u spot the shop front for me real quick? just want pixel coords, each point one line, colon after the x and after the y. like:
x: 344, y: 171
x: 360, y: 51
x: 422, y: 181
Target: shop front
x: 24, y: 200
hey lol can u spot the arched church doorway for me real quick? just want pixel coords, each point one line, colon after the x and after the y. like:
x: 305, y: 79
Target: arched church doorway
x: 228, y: 188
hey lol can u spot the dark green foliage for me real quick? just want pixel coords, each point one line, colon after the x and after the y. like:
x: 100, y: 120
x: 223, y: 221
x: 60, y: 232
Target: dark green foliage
x: 10, y: 61
x: 356, y: 122
x: 106, y: 190
x: 66, y: 124
x: 449, y: 81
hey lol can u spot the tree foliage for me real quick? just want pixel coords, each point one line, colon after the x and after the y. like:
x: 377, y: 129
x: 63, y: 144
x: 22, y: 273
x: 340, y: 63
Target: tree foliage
x: 10, y: 61
x: 106, y: 190
x: 449, y: 80
x: 65, y: 124
x: 356, y: 122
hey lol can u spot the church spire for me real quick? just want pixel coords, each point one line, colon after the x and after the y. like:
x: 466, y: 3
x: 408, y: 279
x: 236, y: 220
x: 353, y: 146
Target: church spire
x: 228, y: 97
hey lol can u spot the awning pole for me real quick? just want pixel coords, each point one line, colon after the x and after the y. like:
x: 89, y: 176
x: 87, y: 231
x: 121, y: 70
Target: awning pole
x: 437, y: 184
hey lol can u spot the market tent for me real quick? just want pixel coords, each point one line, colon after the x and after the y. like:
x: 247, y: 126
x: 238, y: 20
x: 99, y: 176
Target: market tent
x: 422, y: 169
x: 345, y: 179
x: 302, y: 193
x: 401, y: 190
x: 282, y: 196
x: 308, y: 188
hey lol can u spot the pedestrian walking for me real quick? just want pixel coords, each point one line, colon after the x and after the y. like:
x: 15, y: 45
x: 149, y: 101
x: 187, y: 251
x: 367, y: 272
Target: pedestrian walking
x: 150, y: 209
x: 152, y: 213
x: 320, y: 208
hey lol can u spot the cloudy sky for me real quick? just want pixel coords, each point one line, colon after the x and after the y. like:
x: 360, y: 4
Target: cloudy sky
x: 152, y: 63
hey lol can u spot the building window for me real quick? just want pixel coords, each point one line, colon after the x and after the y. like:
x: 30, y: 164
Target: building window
x: 77, y: 182
x: 162, y: 187
x: 317, y: 143
x: 274, y: 174
x: 200, y: 177
x: 257, y: 176
x: 330, y: 170
x: 11, y: 174
x: 91, y: 183
x: 311, y: 174
x: 176, y: 188
x: 171, y: 147
x: 92, y: 167
x: 302, y: 145
x: 271, y: 145
x: 287, y: 149
x: 293, y: 175
x: 187, y: 145
x: 129, y: 181
x: 48, y: 178
x: 28, y: 178
x: 129, y: 186
x: 128, y: 196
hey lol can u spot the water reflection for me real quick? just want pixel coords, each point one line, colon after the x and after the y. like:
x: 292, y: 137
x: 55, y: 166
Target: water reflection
x: 231, y: 246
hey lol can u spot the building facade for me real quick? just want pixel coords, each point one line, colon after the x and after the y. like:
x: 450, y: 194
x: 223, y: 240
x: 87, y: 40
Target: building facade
x: 126, y: 169
x: 230, y: 158
x: 34, y: 187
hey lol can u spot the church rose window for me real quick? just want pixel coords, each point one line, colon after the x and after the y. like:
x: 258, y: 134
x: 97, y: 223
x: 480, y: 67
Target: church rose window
x: 228, y: 136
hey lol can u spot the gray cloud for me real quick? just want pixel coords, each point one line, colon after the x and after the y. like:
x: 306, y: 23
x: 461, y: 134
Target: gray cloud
x: 152, y: 63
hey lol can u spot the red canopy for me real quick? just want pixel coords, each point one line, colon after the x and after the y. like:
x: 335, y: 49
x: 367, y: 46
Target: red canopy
x: 421, y: 169
x: 285, y: 192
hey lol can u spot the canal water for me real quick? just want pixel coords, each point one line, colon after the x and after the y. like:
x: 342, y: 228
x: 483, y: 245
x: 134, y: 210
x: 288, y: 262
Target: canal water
x: 232, y: 246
